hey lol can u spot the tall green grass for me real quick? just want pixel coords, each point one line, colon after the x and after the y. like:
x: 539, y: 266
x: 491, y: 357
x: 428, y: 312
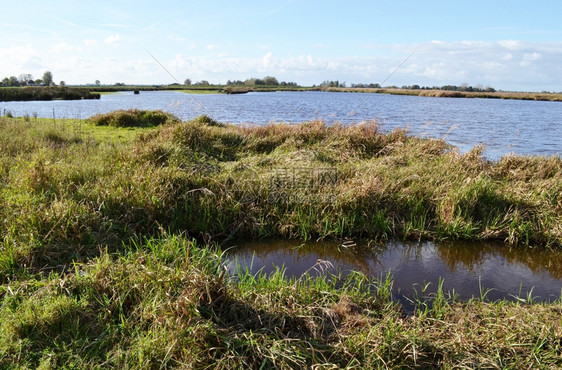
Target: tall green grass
x: 107, y: 257
x: 69, y: 187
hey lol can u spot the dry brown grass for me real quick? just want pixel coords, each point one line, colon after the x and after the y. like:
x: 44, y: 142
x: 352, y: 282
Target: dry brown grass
x: 455, y: 94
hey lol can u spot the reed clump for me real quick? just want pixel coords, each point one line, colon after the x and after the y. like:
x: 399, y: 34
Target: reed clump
x: 133, y: 118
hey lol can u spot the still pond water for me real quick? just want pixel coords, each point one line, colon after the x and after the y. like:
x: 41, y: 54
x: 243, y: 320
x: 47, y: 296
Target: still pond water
x: 504, y: 126
x: 467, y: 268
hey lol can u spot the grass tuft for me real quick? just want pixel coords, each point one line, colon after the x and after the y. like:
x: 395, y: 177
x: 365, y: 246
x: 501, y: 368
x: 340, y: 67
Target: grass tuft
x: 133, y: 118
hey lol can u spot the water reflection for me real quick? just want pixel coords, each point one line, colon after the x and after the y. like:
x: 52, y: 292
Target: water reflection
x: 467, y: 268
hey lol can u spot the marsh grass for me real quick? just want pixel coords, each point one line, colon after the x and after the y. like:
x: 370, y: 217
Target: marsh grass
x: 545, y: 96
x: 28, y: 93
x: 168, y: 302
x: 80, y: 184
x: 133, y: 118
x: 106, y: 256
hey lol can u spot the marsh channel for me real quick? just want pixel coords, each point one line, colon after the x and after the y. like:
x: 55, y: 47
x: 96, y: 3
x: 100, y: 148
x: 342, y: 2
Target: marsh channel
x: 466, y: 269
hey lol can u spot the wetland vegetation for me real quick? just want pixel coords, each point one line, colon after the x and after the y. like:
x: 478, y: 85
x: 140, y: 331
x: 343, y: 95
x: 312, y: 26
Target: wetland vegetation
x: 24, y: 88
x: 110, y: 230
x: 447, y: 93
x: 29, y: 93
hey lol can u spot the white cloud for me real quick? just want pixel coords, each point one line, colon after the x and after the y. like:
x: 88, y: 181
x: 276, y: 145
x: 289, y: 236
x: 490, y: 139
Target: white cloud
x: 174, y: 37
x: 509, y: 65
x: 90, y: 42
x: 267, y: 59
x: 497, y: 64
x: 73, y: 66
x: 429, y: 72
x: 504, y: 64
x: 510, y: 44
x: 531, y: 56
x: 18, y: 59
x: 63, y: 47
x: 113, y: 39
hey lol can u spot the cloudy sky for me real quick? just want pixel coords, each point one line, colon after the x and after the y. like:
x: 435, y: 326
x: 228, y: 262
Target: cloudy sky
x: 509, y: 45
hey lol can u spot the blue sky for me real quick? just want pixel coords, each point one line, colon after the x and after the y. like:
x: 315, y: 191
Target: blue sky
x: 510, y: 45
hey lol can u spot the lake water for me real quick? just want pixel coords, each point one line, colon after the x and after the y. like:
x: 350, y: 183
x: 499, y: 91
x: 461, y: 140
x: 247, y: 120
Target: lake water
x: 504, y: 126
x: 466, y: 268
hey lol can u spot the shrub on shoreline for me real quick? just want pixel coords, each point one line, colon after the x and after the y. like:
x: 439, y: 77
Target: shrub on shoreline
x: 133, y: 118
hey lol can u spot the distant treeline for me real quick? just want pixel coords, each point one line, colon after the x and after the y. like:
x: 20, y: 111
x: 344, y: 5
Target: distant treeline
x: 45, y: 93
x: 266, y: 81
x: 462, y: 87
x: 26, y: 79
x: 253, y: 81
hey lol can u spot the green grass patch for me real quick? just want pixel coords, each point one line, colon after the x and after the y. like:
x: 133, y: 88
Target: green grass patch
x: 105, y: 258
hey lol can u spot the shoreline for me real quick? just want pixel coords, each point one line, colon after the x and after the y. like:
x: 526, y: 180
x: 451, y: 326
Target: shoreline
x: 453, y: 94
x: 95, y: 91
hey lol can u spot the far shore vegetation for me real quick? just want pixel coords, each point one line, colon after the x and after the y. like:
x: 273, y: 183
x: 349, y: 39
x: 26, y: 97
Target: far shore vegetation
x: 452, y: 93
x: 30, y: 93
x: 19, y: 88
x: 110, y: 234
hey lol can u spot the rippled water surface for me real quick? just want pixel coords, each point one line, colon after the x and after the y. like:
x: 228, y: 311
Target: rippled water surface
x: 504, y: 126
x: 469, y: 269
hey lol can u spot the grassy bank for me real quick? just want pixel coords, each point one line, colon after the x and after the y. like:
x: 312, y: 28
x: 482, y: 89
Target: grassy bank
x: 107, y: 257
x: 297, y: 181
x: 454, y: 94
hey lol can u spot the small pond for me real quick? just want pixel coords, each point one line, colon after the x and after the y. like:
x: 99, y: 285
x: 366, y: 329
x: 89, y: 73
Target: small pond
x: 467, y: 268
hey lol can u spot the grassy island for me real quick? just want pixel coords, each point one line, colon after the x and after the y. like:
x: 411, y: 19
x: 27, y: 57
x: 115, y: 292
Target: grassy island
x: 110, y: 227
x: 440, y: 93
